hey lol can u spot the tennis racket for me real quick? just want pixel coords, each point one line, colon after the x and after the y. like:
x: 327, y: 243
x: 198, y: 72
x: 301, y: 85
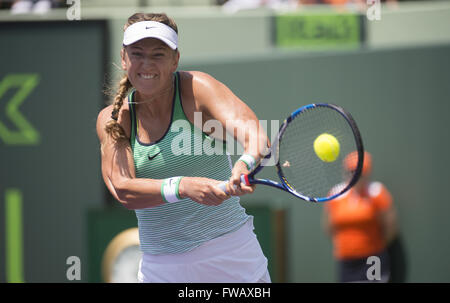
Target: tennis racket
x: 300, y: 169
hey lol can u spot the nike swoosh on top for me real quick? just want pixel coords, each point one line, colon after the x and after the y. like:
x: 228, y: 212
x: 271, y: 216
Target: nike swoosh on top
x: 152, y: 157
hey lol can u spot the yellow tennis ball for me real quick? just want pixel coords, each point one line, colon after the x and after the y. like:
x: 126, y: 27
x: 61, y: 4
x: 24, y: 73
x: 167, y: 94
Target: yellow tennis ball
x: 327, y: 147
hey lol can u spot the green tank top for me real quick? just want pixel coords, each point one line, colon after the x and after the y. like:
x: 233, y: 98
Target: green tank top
x: 184, y: 150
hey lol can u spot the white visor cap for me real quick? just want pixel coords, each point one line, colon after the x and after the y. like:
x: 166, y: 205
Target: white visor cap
x: 150, y: 29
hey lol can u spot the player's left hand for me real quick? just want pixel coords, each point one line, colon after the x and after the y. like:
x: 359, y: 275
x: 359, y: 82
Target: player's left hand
x: 235, y: 187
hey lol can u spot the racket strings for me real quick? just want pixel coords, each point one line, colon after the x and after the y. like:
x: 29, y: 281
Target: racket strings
x: 304, y: 171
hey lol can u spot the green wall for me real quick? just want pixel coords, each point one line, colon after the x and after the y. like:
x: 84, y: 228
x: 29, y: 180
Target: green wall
x: 400, y: 100
x: 55, y: 171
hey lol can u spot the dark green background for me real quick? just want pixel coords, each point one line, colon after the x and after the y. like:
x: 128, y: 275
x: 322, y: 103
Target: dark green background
x: 60, y: 177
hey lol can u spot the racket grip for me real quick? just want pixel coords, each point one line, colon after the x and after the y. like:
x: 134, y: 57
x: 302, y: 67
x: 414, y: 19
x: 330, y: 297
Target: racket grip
x: 223, y: 185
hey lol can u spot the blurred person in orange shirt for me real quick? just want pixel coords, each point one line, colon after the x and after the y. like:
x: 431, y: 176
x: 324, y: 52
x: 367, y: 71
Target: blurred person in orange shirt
x: 361, y: 223
x: 344, y: 2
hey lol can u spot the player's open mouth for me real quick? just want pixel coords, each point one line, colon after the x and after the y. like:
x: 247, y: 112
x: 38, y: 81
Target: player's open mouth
x: 147, y: 76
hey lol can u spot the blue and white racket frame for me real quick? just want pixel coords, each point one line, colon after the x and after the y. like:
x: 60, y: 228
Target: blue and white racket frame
x: 274, y: 150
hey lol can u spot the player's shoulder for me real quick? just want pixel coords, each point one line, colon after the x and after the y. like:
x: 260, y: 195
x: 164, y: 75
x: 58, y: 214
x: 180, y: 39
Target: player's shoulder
x: 198, y: 89
x: 198, y: 80
x: 104, y: 116
x: 106, y: 112
x: 195, y: 75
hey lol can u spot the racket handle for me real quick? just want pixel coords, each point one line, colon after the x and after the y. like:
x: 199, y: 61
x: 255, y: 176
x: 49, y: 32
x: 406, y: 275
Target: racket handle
x: 223, y: 185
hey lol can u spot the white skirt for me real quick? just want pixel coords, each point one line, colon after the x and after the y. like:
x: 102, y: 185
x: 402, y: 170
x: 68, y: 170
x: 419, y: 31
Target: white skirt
x: 235, y: 257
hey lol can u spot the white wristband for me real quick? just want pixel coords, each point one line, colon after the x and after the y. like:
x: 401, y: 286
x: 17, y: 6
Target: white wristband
x: 169, y: 189
x: 248, y: 160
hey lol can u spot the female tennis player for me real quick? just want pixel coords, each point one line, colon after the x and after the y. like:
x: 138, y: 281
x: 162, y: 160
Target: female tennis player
x: 189, y: 229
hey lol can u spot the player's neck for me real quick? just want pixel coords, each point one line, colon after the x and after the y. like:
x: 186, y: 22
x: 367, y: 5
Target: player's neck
x: 156, y: 105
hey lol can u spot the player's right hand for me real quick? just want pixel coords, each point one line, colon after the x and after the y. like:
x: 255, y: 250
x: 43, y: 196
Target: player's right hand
x: 202, y: 190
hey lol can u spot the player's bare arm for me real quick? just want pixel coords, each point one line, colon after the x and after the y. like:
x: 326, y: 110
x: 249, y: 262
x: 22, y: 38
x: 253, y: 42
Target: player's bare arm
x: 217, y: 102
x: 137, y: 193
x: 118, y: 168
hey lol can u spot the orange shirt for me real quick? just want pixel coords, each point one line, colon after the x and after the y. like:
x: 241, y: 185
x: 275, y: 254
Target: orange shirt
x: 336, y: 2
x: 355, y: 222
